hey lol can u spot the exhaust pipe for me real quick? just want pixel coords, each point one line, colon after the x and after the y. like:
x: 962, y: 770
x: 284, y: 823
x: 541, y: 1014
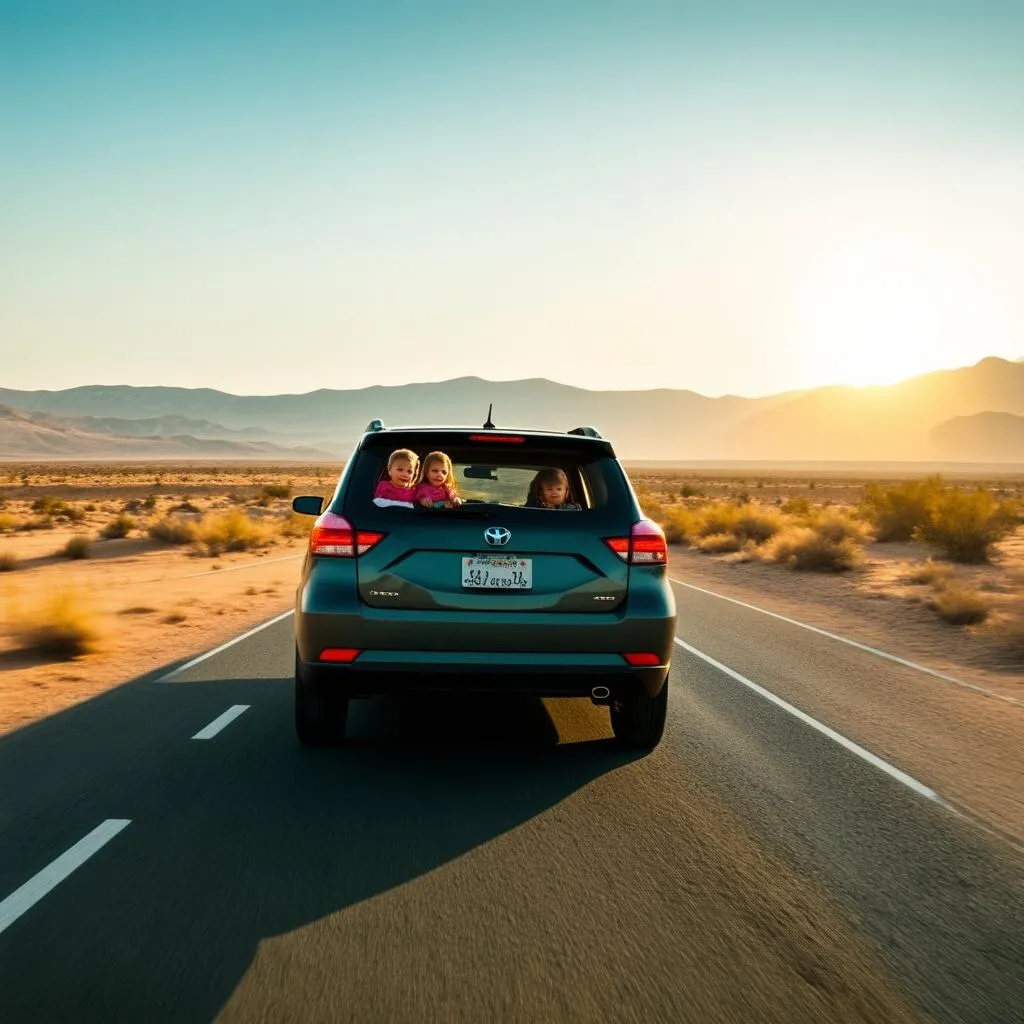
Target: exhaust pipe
x: 600, y: 694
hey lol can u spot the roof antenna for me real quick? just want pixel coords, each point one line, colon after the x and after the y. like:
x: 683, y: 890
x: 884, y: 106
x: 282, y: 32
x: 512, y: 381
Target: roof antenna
x: 489, y: 425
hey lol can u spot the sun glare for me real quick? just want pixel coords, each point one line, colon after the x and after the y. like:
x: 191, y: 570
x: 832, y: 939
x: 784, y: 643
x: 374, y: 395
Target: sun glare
x: 882, y: 310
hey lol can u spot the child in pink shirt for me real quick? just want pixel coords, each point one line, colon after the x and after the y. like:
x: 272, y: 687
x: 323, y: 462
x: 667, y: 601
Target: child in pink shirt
x: 399, y: 485
x: 436, y: 487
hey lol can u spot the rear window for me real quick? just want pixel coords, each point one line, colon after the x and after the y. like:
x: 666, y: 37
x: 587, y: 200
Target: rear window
x: 498, y: 478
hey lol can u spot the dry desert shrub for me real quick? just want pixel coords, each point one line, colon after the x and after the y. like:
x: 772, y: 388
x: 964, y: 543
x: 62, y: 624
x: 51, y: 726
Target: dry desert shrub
x: 965, y: 526
x: 960, y: 605
x: 277, y: 491
x: 8, y: 561
x: 63, y: 627
x: 233, y: 530
x: 798, y: 506
x: 720, y: 517
x: 8, y: 522
x: 35, y: 523
x: 930, y: 572
x: 54, y: 508
x: 719, y: 543
x: 757, y: 524
x: 804, y: 547
x: 897, y: 512
x: 837, y: 526
x: 295, y: 525
x: 171, y: 530
x: 76, y: 547
x: 120, y: 526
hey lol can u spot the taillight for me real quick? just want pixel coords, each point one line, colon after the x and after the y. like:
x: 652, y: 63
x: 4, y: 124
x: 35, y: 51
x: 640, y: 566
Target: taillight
x: 500, y: 438
x: 346, y: 655
x: 335, y: 536
x: 642, y: 659
x: 645, y: 544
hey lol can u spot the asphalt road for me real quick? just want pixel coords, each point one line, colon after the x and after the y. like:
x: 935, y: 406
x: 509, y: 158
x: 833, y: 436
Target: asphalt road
x: 492, y: 860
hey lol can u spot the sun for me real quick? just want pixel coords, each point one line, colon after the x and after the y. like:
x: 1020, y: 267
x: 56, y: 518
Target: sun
x: 881, y: 310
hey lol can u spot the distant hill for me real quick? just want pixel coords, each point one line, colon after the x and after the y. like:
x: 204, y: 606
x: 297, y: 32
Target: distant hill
x: 892, y: 423
x: 25, y: 434
x: 992, y: 436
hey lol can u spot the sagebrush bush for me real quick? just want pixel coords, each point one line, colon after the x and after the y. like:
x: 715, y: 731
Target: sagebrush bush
x: 277, y: 491
x: 171, y: 530
x: 965, y: 526
x: 8, y: 522
x: 756, y: 524
x: 897, y: 512
x: 296, y: 525
x: 798, y: 506
x: 803, y: 547
x: 8, y: 561
x: 720, y: 517
x: 76, y: 547
x: 231, y: 531
x: 63, y: 627
x: 719, y: 543
x: 960, y: 605
x: 930, y: 572
x: 836, y: 526
x: 120, y: 526
x: 35, y: 523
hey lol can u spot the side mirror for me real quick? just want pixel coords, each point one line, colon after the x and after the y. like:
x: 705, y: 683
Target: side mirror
x: 308, y: 505
x: 480, y: 473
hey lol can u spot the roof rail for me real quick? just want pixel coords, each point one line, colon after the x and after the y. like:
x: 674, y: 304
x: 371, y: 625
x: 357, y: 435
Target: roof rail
x: 586, y: 431
x: 373, y: 426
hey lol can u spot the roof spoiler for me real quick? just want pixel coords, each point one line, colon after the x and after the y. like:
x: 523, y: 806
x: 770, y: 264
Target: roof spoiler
x: 587, y: 432
x: 373, y: 427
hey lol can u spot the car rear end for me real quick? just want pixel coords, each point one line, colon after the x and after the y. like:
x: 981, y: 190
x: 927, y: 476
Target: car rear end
x: 492, y: 595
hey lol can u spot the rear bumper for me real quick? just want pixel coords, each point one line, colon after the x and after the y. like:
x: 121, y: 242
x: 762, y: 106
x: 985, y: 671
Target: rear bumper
x: 543, y: 675
x: 545, y: 653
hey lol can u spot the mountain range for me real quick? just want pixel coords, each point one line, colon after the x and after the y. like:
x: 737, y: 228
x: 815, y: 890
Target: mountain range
x: 970, y: 414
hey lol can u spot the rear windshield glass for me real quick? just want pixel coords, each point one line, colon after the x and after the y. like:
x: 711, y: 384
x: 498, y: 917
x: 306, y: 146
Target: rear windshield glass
x: 539, y: 482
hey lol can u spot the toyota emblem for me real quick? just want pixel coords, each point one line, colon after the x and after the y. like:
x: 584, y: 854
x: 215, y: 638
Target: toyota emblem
x: 497, y: 535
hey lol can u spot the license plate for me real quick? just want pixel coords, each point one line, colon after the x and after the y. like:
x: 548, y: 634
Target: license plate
x: 492, y: 572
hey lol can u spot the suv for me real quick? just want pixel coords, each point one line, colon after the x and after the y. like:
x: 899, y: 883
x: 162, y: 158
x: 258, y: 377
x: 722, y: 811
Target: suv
x: 492, y: 595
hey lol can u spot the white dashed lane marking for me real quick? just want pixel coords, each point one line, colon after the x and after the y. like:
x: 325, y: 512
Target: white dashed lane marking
x: 221, y: 721
x: 53, y: 874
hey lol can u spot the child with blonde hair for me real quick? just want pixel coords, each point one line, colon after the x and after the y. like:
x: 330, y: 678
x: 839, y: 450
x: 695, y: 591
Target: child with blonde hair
x: 435, y: 486
x: 399, y: 487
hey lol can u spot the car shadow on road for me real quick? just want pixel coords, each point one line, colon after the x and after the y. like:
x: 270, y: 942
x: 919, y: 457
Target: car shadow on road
x: 250, y: 837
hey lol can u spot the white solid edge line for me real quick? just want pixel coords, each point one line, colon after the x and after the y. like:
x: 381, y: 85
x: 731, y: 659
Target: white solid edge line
x: 221, y: 721
x: 865, y: 755
x: 224, y: 646
x: 25, y: 897
x: 855, y: 643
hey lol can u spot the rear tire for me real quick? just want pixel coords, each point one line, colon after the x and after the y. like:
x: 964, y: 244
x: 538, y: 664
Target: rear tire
x: 638, y: 721
x: 320, y: 711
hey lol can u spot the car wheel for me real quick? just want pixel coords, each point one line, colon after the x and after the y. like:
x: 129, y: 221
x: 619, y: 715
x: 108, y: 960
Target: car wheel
x: 638, y: 721
x: 320, y: 711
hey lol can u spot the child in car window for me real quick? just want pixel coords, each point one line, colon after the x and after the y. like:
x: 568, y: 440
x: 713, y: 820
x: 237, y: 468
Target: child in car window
x: 399, y: 487
x: 436, y: 483
x: 550, y: 489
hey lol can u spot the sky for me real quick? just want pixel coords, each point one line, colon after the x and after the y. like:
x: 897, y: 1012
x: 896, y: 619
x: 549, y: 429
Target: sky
x: 731, y: 197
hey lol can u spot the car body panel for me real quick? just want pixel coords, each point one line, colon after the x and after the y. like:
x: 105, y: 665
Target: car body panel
x: 403, y: 606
